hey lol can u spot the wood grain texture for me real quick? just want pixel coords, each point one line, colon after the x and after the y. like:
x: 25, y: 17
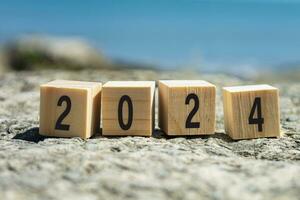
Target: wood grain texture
x: 238, y: 102
x: 173, y: 110
x: 84, y: 116
x: 141, y: 94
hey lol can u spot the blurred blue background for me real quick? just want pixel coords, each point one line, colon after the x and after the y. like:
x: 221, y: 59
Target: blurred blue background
x: 211, y: 35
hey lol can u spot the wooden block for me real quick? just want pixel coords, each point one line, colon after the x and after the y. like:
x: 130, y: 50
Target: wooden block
x: 70, y: 108
x: 128, y: 108
x: 251, y: 111
x: 187, y: 107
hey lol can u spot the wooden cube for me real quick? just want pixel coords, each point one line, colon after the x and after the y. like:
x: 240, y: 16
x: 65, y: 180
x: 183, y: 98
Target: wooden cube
x: 128, y: 108
x: 70, y: 108
x: 187, y: 107
x: 251, y: 111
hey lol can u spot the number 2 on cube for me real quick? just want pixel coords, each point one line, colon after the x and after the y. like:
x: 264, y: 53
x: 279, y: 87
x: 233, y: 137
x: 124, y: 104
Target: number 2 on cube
x: 59, y: 125
x: 189, y: 123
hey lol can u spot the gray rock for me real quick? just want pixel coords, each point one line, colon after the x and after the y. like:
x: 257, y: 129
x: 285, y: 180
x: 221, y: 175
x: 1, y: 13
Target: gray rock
x: 35, y: 52
x: 3, y: 64
x: 159, y: 167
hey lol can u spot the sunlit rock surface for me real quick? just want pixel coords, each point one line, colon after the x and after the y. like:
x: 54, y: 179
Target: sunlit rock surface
x: 159, y: 167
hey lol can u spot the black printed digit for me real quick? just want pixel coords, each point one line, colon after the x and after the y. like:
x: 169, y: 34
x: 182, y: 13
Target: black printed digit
x: 189, y: 123
x: 130, y: 112
x: 258, y: 120
x: 59, y: 125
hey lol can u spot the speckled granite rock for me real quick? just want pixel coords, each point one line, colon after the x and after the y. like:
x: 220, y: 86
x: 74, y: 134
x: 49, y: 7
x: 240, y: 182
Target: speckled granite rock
x: 160, y: 167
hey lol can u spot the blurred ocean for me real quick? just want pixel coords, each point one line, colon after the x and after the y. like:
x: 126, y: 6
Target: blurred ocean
x: 234, y: 35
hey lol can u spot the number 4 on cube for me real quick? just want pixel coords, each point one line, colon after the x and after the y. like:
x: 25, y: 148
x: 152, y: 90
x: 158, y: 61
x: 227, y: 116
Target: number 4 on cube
x: 251, y: 111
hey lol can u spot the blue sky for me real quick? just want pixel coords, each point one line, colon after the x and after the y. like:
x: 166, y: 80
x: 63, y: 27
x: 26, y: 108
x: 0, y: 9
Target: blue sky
x: 207, y: 34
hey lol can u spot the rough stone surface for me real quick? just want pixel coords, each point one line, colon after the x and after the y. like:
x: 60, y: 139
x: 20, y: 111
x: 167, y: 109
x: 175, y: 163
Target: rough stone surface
x: 160, y: 167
